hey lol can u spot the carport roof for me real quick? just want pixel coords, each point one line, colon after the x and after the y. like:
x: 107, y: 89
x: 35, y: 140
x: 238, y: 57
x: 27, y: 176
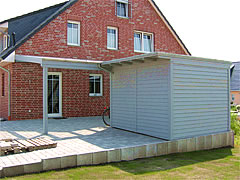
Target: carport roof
x: 157, y: 55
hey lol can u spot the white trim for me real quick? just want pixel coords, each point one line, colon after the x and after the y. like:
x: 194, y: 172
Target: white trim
x: 11, y: 57
x: 169, y: 28
x: 162, y: 55
x: 60, y: 94
x: 126, y: 3
x: 4, y: 25
x: 114, y: 28
x: 39, y: 59
x: 101, y: 85
x: 78, y: 23
x: 142, y: 39
x: 122, y: 1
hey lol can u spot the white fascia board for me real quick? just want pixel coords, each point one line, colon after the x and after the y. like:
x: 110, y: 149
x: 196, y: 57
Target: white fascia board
x: 40, y: 59
x: 30, y: 59
x: 162, y: 55
x: 10, y: 58
x: 71, y: 60
x: 4, y: 25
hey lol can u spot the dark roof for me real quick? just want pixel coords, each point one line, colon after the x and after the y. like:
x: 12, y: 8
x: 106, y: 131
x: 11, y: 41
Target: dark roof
x: 170, y: 26
x: 27, y: 25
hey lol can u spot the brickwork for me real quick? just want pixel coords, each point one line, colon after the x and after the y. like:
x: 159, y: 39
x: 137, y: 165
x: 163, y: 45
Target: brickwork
x: 4, y: 93
x: 27, y: 92
x: 94, y: 17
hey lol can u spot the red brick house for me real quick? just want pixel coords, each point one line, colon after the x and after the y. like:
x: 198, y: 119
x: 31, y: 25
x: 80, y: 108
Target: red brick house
x: 62, y: 47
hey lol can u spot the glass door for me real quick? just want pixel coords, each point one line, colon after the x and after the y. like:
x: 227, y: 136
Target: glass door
x: 54, y: 94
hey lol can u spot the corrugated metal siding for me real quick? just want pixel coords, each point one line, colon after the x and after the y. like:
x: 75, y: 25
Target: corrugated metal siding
x: 200, y: 98
x: 140, y: 96
x: 235, y: 80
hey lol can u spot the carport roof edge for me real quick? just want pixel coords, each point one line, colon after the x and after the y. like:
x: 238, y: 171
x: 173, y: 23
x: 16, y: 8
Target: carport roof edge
x: 161, y: 55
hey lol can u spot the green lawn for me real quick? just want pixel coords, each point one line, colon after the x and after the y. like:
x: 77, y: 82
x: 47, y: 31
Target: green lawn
x: 213, y: 164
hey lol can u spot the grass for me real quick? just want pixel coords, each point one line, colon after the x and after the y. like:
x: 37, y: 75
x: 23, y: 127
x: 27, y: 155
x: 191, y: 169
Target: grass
x: 212, y: 164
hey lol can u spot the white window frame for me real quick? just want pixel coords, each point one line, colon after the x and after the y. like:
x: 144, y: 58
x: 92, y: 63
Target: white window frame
x: 4, y: 42
x: 142, y: 41
x: 101, y: 85
x: 126, y: 3
x: 78, y: 23
x: 60, y: 94
x: 115, y: 28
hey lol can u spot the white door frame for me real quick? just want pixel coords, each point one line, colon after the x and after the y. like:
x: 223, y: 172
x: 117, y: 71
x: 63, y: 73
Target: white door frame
x: 60, y: 94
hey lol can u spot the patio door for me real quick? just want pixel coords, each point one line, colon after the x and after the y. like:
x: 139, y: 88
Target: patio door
x: 54, y: 94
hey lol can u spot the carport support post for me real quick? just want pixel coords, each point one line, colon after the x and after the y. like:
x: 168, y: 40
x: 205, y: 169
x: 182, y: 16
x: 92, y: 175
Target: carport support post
x: 45, y: 100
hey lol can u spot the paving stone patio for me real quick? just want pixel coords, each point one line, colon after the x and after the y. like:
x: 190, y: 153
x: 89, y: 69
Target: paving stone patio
x: 74, y: 136
x: 87, y: 141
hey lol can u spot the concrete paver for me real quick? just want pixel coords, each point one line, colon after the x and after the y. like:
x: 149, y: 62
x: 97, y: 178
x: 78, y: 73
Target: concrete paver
x: 75, y: 136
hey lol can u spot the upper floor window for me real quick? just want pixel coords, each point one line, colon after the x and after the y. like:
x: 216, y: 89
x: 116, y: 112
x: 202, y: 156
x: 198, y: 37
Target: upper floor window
x: 95, y: 85
x: 112, y: 38
x: 3, y: 42
x: 122, y: 8
x: 143, y: 42
x: 73, y: 33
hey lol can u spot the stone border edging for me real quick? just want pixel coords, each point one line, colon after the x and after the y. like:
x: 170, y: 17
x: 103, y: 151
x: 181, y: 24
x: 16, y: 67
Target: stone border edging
x: 123, y: 154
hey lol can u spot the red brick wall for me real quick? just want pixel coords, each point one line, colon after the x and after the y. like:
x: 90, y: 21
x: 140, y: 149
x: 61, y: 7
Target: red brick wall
x: 27, y: 92
x: 94, y: 17
x: 4, y: 99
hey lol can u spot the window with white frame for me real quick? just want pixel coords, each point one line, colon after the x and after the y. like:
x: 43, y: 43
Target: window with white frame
x: 112, y: 38
x: 3, y: 42
x: 143, y: 42
x: 73, y: 33
x: 122, y: 8
x: 95, y: 85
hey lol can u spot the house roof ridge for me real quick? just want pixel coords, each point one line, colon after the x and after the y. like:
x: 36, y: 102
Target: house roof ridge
x: 8, y: 51
x: 33, y: 12
x: 170, y: 26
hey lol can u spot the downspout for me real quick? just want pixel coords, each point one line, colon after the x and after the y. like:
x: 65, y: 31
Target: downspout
x: 9, y: 91
x: 110, y: 74
x: 100, y: 67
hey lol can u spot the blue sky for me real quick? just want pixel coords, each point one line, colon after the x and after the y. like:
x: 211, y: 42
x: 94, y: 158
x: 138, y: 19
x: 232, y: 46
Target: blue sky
x: 209, y: 28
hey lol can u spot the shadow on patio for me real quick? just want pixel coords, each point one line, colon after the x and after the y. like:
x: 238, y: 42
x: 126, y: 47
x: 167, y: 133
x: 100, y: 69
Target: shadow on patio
x: 87, y: 129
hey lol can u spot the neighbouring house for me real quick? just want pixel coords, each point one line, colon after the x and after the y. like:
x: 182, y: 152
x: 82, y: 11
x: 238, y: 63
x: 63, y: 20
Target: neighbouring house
x: 61, y: 48
x: 235, y: 84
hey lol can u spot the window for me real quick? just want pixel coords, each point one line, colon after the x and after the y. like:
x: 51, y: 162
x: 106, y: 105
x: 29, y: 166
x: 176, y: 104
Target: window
x: 143, y: 42
x: 3, y: 42
x: 54, y: 94
x: 73, y: 33
x: 112, y: 38
x: 3, y: 85
x: 95, y: 85
x: 122, y: 8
